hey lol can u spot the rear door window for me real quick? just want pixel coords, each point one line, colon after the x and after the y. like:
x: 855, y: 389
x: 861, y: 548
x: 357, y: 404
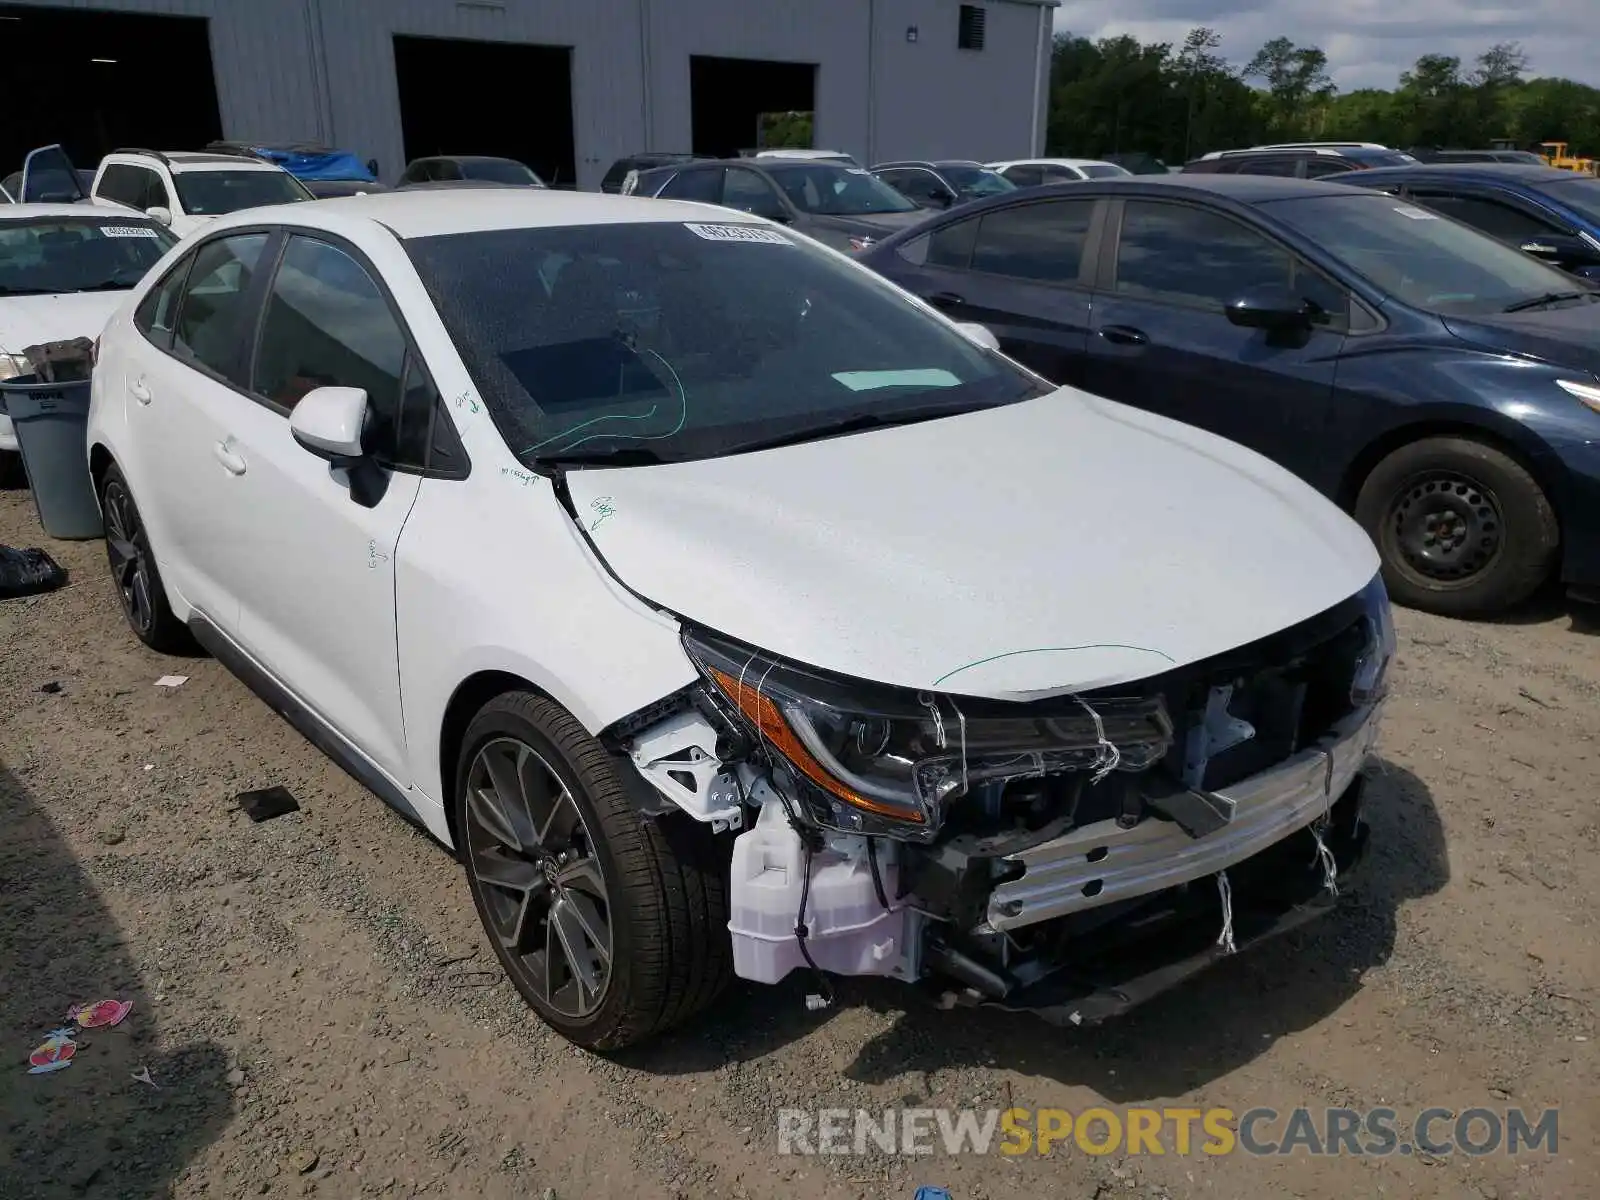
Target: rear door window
x: 1039, y: 242
x: 157, y: 312
x: 209, y: 327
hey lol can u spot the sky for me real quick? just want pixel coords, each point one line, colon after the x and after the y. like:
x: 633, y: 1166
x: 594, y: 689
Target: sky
x: 1368, y: 42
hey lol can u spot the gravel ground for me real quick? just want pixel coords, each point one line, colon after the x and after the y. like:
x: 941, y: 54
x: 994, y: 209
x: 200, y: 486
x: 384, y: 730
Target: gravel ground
x: 318, y: 1013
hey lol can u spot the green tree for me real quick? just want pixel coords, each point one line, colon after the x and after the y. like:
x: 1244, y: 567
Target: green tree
x: 1298, y: 86
x: 1121, y: 94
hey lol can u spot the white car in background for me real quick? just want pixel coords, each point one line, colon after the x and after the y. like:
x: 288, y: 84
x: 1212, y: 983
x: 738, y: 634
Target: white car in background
x: 185, y: 189
x: 729, y: 611
x: 64, y: 269
x: 792, y: 155
x: 1036, y: 172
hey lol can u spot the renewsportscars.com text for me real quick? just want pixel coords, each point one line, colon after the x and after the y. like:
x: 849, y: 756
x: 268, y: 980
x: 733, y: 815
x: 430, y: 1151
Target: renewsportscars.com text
x: 1375, y: 1132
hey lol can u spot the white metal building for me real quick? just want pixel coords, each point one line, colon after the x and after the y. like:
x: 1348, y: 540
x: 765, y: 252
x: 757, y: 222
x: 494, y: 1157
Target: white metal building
x: 572, y: 83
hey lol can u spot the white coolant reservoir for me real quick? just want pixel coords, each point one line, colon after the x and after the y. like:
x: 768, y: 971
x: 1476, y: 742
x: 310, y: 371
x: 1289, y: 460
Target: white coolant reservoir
x: 851, y: 933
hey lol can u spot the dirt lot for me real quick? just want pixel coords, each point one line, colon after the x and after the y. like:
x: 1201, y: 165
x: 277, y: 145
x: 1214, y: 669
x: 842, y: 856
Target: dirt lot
x: 313, y: 999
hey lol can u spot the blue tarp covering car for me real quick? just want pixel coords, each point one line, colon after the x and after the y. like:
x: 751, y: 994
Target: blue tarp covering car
x: 306, y: 161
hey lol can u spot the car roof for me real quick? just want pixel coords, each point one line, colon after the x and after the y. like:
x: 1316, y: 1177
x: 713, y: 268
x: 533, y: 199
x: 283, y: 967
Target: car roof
x: 417, y: 213
x: 1510, y: 172
x: 194, y: 160
x: 23, y: 212
x: 1246, y: 189
x: 1048, y: 162
x: 466, y: 158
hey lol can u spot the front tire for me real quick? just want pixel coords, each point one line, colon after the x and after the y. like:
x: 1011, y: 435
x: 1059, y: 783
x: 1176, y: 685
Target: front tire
x: 611, y: 925
x: 134, y: 571
x: 1463, y: 529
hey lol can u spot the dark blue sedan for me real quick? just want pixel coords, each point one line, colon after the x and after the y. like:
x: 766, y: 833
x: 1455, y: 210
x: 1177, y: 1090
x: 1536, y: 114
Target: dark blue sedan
x: 1553, y: 215
x: 1443, y: 387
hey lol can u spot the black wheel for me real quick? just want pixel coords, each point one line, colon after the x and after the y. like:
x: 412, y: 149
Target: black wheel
x: 133, y: 570
x: 12, y: 474
x: 1463, y: 529
x: 611, y: 925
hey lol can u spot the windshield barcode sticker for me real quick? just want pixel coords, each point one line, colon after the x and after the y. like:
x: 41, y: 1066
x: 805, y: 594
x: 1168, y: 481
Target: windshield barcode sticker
x: 738, y: 233
x: 144, y: 231
x: 1416, y: 214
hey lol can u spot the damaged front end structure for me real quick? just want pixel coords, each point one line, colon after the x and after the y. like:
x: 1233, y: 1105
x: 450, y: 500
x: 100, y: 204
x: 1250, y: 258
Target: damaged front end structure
x: 1070, y: 856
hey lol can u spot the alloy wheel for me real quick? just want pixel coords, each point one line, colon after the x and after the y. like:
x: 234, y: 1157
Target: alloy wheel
x: 1446, y: 526
x: 542, y: 888
x: 128, y: 551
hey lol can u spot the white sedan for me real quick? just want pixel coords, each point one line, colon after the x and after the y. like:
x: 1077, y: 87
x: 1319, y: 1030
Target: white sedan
x: 728, y: 611
x: 64, y: 269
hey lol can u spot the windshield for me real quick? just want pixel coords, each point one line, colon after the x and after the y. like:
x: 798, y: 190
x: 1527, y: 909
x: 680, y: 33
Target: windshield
x: 819, y: 187
x: 1426, y: 260
x: 212, y: 193
x: 499, y: 170
x: 72, y: 254
x: 1581, y: 194
x: 677, y: 340
x: 972, y: 182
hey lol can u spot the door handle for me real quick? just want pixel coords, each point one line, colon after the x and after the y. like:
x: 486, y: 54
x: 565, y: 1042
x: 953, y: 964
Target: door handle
x: 949, y: 298
x: 140, y: 391
x: 231, y: 461
x: 1124, y: 335
x: 1538, y: 248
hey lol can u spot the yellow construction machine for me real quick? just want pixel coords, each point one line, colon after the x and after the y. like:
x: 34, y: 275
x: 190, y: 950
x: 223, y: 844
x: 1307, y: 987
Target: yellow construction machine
x: 1556, y: 154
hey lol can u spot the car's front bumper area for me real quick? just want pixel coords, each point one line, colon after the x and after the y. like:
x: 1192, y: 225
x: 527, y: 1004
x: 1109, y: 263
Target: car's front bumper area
x: 1099, y: 919
x: 1173, y: 935
x: 1104, y: 863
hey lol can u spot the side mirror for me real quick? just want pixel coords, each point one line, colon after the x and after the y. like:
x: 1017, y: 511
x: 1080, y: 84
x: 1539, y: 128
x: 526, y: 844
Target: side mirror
x: 159, y: 214
x: 1276, y: 309
x: 943, y: 197
x: 981, y: 334
x: 329, y: 422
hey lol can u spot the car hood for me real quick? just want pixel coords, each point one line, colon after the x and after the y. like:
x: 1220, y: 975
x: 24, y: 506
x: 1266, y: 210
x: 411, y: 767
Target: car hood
x: 1059, y: 544
x: 882, y: 223
x: 33, y: 320
x: 1567, y: 336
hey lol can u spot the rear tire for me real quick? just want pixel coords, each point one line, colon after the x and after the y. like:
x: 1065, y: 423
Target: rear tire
x: 1462, y: 528
x: 134, y: 572
x: 659, y: 885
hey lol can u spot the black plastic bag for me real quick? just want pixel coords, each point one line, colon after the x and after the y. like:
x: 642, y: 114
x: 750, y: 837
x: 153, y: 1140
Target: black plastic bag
x: 26, y: 572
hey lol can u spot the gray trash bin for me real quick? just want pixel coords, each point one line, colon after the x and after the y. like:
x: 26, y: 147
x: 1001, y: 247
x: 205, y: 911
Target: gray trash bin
x: 52, y: 421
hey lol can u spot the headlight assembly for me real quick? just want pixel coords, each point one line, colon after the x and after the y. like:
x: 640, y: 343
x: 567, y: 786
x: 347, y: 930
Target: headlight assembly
x: 1369, y: 681
x: 887, y: 761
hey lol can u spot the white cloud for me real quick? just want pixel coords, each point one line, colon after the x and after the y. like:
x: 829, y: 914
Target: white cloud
x: 1368, y: 42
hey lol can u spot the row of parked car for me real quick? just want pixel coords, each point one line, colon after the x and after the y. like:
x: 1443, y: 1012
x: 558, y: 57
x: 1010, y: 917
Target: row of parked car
x: 1392, y: 331
x: 1386, y: 351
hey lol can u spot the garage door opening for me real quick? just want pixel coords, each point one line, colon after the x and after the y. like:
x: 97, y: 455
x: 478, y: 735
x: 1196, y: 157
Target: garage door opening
x: 453, y: 101
x: 94, y: 81
x: 740, y: 103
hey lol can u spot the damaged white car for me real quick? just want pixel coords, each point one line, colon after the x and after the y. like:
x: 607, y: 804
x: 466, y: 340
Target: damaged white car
x: 732, y: 613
